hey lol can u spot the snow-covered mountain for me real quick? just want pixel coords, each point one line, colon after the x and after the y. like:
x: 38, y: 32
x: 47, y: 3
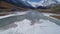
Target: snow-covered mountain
x: 44, y: 3
x: 31, y: 4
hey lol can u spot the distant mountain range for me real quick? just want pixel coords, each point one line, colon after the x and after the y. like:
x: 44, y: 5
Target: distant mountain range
x: 25, y: 4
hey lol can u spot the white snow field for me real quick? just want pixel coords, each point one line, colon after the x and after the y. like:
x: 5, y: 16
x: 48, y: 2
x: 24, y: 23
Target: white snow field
x: 24, y: 26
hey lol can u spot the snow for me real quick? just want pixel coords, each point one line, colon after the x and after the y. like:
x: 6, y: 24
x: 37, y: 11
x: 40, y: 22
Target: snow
x: 43, y: 2
x: 16, y: 13
x: 49, y: 14
x: 36, y: 4
x: 24, y: 26
x: 1, y: 17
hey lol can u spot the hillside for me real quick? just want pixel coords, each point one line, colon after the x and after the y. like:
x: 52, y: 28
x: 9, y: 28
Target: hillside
x: 54, y: 9
x: 8, y: 7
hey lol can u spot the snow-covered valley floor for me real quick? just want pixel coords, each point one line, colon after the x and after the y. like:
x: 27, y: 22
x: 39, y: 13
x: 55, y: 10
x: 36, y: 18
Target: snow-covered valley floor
x: 24, y: 26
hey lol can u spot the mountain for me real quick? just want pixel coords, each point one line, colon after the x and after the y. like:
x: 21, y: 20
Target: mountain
x: 19, y: 3
x: 42, y: 7
x: 42, y: 4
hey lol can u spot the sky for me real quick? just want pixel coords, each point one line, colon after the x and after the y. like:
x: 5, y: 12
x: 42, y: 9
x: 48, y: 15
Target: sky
x: 34, y: 0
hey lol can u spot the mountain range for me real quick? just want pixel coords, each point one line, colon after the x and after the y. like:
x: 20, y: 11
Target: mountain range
x: 44, y: 4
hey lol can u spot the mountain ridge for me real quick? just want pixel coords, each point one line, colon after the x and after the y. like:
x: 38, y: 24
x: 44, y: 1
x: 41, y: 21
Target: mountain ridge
x: 24, y: 3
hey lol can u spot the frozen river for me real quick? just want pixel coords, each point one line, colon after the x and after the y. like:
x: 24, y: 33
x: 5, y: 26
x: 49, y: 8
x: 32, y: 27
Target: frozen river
x: 30, y: 22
